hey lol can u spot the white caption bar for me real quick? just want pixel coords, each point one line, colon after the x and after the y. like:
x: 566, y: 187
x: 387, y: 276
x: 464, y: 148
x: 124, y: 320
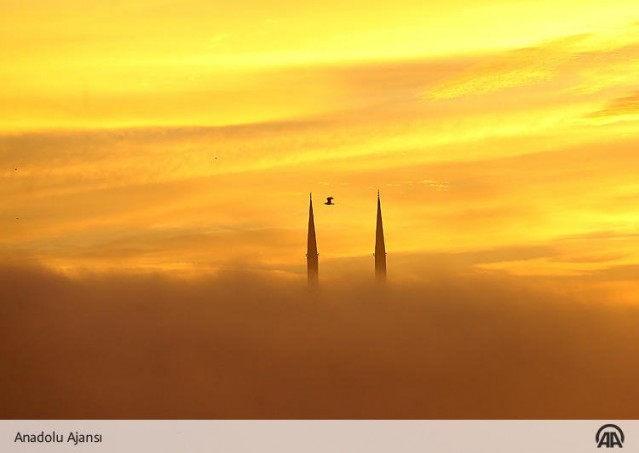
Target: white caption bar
x: 329, y: 436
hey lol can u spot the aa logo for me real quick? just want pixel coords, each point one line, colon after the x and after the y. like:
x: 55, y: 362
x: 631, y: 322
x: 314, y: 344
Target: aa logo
x: 610, y: 436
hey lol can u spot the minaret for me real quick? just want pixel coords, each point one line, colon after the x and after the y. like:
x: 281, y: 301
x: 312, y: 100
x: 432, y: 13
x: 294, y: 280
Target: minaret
x: 312, y: 261
x: 380, y: 247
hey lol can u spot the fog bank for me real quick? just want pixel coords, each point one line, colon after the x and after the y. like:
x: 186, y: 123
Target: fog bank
x: 240, y: 345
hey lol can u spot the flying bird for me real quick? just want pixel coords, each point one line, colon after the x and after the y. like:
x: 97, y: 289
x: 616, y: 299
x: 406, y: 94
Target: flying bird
x: 329, y: 201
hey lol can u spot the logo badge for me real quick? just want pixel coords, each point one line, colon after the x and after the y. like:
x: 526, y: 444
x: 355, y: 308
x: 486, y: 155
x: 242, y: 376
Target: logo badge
x: 610, y: 436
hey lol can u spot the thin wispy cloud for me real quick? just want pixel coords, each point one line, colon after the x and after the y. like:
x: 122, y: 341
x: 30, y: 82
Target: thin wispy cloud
x: 620, y: 107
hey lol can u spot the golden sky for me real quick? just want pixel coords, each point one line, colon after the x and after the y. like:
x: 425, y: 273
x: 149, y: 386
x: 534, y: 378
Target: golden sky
x: 185, y: 136
x: 145, y: 140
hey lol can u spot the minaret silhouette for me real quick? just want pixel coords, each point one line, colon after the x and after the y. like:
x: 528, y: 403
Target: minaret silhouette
x: 312, y: 260
x: 380, y: 247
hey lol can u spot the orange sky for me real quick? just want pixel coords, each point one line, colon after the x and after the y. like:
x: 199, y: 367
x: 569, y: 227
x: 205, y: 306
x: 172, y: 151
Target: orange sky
x: 185, y: 136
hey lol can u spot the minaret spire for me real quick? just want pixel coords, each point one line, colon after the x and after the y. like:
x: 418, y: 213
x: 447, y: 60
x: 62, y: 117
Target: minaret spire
x: 312, y: 260
x: 380, y: 247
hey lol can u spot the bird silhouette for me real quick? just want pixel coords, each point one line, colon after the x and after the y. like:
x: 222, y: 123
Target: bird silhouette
x: 329, y: 201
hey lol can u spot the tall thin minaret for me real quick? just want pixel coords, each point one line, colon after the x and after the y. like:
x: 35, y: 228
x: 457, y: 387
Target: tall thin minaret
x: 312, y: 260
x: 380, y: 247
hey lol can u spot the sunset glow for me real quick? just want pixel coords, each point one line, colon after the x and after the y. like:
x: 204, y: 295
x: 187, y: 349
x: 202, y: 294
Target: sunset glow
x: 186, y: 136
x: 157, y: 254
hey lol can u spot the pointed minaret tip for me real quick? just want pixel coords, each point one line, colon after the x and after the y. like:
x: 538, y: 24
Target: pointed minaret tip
x: 312, y: 264
x: 380, y: 246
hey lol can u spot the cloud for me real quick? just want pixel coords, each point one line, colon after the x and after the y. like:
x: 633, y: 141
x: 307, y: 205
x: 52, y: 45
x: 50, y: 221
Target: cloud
x: 580, y: 64
x: 624, y: 106
x: 158, y: 197
x: 513, y: 68
x: 456, y: 174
